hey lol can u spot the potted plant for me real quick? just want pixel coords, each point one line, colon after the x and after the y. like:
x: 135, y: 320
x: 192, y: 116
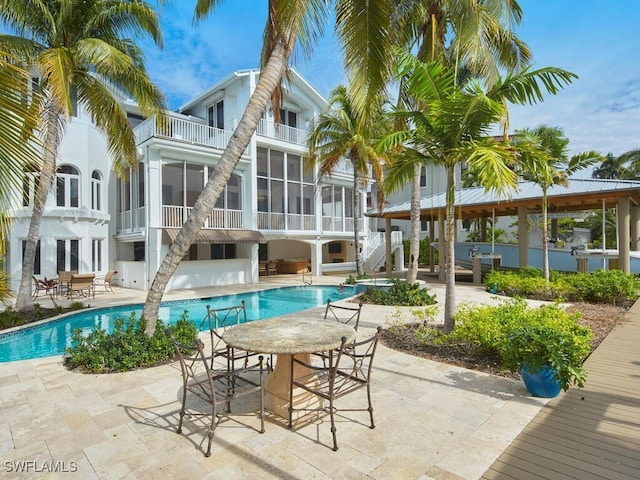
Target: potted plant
x: 548, y: 346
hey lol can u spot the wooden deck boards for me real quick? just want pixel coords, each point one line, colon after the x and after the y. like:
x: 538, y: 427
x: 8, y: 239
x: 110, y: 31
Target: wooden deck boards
x: 591, y: 433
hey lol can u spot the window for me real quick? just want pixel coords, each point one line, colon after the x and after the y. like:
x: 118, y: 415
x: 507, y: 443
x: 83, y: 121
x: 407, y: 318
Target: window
x: 139, y: 252
x: 68, y: 184
x: 172, y: 183
x: 272, y: 190
x: 215, y: 114
x: 423, y: 176
x: 223, y: 251
x: 194, y: 182
x: 36, y: 263
x: 29, y: 187
x: 96, y: 254
x: 230, y: 198
x: 67, y: 255
x: 141, y: 184
x: 287, y: 117
x: 96, y: 185
x: 134, y: 119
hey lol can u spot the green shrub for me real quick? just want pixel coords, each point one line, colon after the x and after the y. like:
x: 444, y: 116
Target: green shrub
x: 605, y: 286
x: 601, y: 286
x: 522, y: 335
x: 351, y: 280
x: 10, y: 318
x: 424, y: 251
x: 77, y: 306
x: 400, y: 293
x: 128, y: 347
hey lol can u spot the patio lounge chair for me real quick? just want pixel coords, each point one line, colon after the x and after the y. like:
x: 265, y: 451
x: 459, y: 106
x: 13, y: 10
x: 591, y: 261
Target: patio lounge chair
x: 64, y: 281
x: 216, y: 387
x: 82, y: 283
x: 105, y: 281
x: 348, y: 369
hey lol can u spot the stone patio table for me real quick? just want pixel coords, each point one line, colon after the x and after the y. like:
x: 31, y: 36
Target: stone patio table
x: 285, y: 337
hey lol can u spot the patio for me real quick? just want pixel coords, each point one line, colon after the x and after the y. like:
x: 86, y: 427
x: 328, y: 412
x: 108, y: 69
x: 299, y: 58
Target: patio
x: 433, y: 420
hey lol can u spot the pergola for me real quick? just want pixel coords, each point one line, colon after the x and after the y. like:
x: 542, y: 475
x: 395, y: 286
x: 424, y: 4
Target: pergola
x: 577, y: 195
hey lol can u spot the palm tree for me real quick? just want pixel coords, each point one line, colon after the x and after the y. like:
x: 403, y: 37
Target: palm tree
x: 625, y: 166
x: 454, y: 126
x: 544, y: 159
x: 76, y: 47
x: 341, y: 133
x: 475, y: 38
x: 19, y: 148
x: 365, y: 35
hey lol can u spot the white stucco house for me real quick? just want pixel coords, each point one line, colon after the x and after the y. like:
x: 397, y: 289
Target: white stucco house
x: 273, y: 208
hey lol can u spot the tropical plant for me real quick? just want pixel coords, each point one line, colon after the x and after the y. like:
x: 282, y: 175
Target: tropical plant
x: 454, y: 126
x: 625, y: 166
x: 19, y: 147
x: 543, y: 159
x: 79, y: 48
x: 343, y: 132
x: 474, y: 38
x: 400, y: 293
x: 365, y: 35
x: 548, y: 337
x: 534, y: 337
x: 127, y: 347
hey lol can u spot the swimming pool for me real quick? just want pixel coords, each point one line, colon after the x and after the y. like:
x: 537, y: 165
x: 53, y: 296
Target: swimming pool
x: 51, y: 338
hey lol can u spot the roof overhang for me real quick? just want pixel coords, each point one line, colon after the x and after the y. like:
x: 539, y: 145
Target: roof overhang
x: 579, y: 195
x: 169, y: 235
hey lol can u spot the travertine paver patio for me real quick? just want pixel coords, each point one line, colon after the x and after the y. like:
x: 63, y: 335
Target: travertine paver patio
x: 433, y: 421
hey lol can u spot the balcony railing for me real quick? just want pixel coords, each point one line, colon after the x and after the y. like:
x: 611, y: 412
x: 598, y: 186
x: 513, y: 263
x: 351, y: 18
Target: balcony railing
x: 270, y: 129
x: 339, y: 224
x: 131, y: 219
x: 175, y: 216
x: 185, y: 131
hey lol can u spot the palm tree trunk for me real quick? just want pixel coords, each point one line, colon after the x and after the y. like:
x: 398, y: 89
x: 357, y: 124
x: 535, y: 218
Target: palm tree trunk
x: 270, y: 76
x: 24, y: 299
x: 414, y: 233
x: 450, y: 263
x: 545, y: 243
x: 357, y: 207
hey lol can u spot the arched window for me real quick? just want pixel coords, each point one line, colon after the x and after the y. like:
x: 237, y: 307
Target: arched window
x: 96, y: 190
x: 68, y: 186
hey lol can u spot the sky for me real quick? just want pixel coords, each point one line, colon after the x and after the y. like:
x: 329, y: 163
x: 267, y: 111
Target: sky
x: 599, y: 41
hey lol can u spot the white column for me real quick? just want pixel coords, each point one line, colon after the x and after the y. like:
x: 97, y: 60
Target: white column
x: 624, y: 262
x: 523, y: 237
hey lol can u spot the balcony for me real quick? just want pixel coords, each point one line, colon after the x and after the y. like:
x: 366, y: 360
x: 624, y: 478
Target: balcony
x: 175, y: 216
x: 184, y: 131
x: 276, y: 221
x: 197, y: 133
x: 278, y: 131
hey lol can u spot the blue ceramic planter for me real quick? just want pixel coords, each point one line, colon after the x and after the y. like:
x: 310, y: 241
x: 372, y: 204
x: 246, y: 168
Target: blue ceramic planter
x: 541, y: 383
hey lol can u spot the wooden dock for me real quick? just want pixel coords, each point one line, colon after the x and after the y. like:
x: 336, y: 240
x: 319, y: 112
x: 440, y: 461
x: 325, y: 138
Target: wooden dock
x: 591, y: 433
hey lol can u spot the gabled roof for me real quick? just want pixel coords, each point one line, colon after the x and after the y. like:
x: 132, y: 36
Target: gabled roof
x: 296, y: 79
x: 579, y: 194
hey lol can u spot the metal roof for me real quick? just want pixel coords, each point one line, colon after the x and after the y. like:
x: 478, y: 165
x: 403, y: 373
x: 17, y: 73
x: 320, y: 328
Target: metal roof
x: 475, y: 202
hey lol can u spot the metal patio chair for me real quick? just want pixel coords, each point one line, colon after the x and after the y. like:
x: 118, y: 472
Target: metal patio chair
x: 347, y: 370
x: 217, y: 387
x: 219, y: 319
x: 347, y: 315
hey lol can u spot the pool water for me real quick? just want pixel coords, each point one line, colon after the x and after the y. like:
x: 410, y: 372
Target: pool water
x: 51, y: 338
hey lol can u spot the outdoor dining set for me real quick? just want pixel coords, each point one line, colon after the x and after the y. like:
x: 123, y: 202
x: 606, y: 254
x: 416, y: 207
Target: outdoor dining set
x: 70, y: 283
x: 316, y: 364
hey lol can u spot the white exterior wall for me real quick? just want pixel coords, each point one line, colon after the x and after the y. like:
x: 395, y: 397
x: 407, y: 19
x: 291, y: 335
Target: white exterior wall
x: 83, y: 147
